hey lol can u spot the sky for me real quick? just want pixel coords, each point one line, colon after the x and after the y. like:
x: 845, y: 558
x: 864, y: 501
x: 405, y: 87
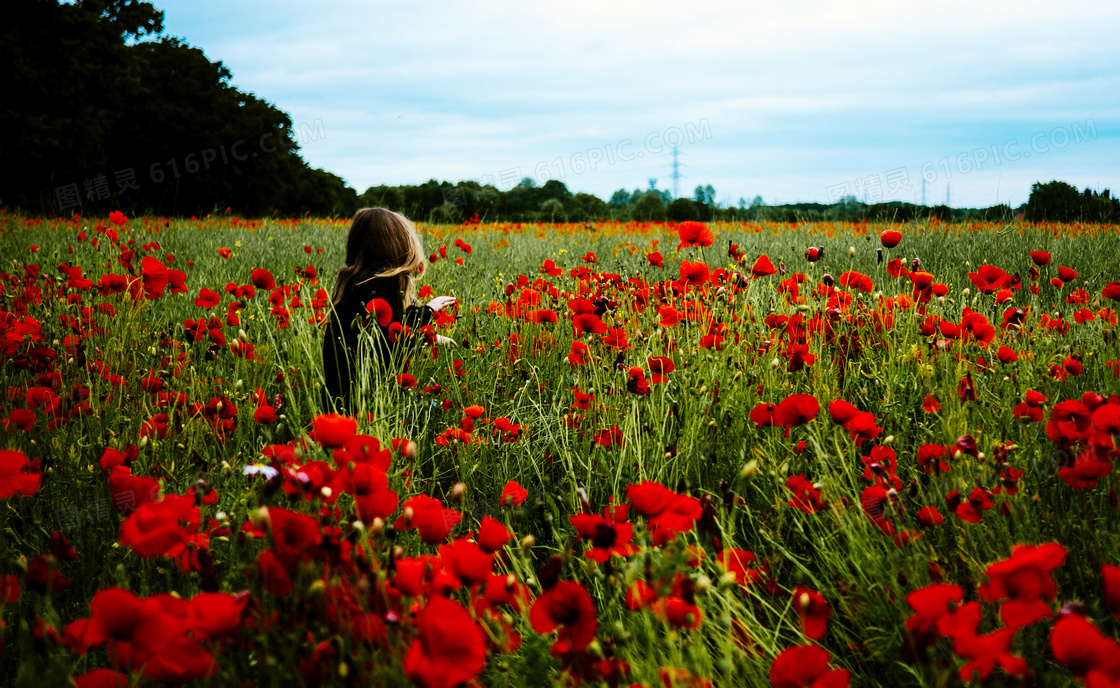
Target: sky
x: 793, y: 102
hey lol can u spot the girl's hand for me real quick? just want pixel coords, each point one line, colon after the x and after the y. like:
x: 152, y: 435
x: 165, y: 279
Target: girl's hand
x: 445, y: 341
x: 441, y: 302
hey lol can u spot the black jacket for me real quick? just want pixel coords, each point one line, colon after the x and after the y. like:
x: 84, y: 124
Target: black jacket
x: 340, y: 342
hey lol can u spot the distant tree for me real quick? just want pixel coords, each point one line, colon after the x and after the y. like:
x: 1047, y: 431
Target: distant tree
x: 590, y: 207
x: 553, y: 211
x: 705, y: 195
x: 649, y: 208
x: 681, y: 209
x: 1053, y: 201
x: 620, y: 198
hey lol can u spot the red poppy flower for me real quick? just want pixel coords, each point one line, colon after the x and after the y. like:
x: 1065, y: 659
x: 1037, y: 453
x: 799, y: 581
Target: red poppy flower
x: 1111, y: 576
x: 696, y: 274
x: 588, y: 322
x: 989, y: 278
x: 513, y: 494
x: 566, y: 606
x: 1024, y: 580
x: 842, y: 411
x: 814, y: 253
x: 649, y: 498
x: 669, y: 316
x: 492, y: 534
x: 13, y: 478
x: 812, y: 612
x: 1066, y: 275
x: 802, y: 666
x: 930, y: 404
x: 23, y: 419
x: 660, y: 367
x: 381, y: 311
x: 693, y: 233
x: 1040, y: 258
x: 1111, y: 291
x: 763, y: 267
x: 971, y: 510
x: 762, y: 415
x: 432, y: 520
x: 1085, y: 651
x: 929, y: 517
x: 262, y: 279
x: 855, y: 280
x: 890, y: 238
x: 154, y: 279
x: 609, y: 437
x: 983, y: 652
x: 224, y: 252
x: 607, y: 537
x: 449, y: 648
x: 207, y: 298
x: 796, y: 409
x: 655, y: 259
x: 293, y: 534
x: 332, y: 430
x: 154, y: 529
x: 102, y: 678
x: 467, y: 561
x: 806, y: 497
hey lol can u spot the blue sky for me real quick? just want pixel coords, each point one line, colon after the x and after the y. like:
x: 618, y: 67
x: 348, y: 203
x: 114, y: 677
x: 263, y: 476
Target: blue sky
x: 791, y: 101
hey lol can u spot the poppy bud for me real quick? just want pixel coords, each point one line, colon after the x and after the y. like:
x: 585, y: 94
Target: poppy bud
x: 749, y: 469
x: 915, y: 264
x: 377, y: 527
x: 879, y: 256
x: 259, y: 517
x: 242, y: 335
x: 407, y: 515
x: 851, y: 251
x: 326, y: 492
x: 527, y: 542
x: 804, y: 601
x: 457, y: 492
x: 827, y: 279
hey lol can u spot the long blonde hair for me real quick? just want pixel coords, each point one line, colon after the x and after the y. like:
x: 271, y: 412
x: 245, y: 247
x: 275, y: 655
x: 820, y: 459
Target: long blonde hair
x: 384, y: 243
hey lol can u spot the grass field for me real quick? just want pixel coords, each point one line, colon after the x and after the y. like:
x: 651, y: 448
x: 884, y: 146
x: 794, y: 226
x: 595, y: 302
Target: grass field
x: 891, y: 465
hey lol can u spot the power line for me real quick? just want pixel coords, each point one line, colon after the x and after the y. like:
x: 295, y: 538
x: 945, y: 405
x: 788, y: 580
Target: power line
x: 676, y: 175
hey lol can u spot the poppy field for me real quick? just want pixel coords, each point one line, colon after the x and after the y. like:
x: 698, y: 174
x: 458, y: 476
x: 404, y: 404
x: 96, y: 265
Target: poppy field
x: 798, y: 455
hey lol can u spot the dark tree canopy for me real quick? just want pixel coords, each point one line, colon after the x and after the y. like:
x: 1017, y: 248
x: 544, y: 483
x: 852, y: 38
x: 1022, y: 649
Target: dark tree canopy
x: 1057, y: 201
x: 105, y: 112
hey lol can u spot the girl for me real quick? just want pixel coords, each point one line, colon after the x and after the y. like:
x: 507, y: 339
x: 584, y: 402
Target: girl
x: 383, y: 257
